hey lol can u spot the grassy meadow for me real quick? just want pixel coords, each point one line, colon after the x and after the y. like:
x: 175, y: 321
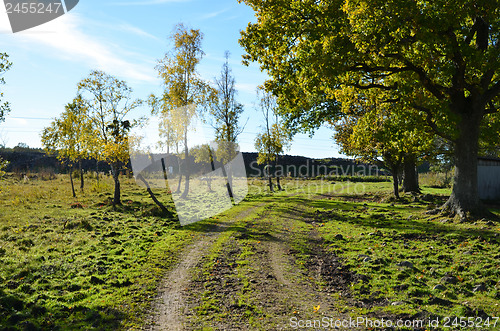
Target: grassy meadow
x: 70, y: 263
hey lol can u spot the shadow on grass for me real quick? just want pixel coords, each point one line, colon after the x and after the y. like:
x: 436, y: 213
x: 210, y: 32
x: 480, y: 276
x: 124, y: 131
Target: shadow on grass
x: 17, y: 313
x: 379, y: 219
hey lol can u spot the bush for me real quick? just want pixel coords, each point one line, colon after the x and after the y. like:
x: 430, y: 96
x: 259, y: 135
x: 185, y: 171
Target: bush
x: 76, y: 173
x: 3, y: 167
x: 437, y: 179
x: 47, y: 174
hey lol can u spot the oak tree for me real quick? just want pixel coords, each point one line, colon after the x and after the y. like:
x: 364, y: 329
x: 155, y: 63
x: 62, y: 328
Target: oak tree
x: 439, y: 58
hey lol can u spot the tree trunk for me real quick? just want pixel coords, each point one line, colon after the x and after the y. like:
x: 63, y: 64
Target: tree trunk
x: 464, y: 198
x: 394, y: 163
x: 186, y: 186
x: 180, y: 175
x: 186, y: 168
x: 153, y: 197
x: 115, y: 170
x: 71, y: 180
x: 278, y: 184
x: 164, y: 168
x: 270, y: 179
x: 97, y: 170
x: 395, y: 181
x: 410, y: 177
x: 179, y: 184
x: 81, y: 174
x: 229, y: 181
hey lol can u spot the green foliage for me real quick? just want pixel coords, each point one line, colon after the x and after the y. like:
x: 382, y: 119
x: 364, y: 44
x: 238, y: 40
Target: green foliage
x: 384, y: 132
x: 185, y: 93
x: 438, y: 59
x: 70, y: 136
x: 435, y: 179
x: 3, y: 167
x: 275, y: 138
x: 422, y: 52
x: 169, y: 137
x: 182, y: 85
x: 108, y: 101
x: 203, y: 153
x: 4, y: 66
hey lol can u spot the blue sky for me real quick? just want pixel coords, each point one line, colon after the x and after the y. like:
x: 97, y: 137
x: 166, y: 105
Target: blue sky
x: 125, y: 38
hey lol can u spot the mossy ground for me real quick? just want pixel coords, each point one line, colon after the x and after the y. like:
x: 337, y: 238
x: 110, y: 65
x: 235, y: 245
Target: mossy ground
x: 78, y: 263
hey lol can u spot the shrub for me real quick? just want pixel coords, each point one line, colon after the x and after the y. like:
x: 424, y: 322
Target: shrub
x: 3, y: 167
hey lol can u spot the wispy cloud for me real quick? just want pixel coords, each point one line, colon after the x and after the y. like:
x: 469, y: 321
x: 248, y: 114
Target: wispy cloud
x: 214, y: 14
x: 249, y: 88
x: 65, y: 37
x: 146, y: 3
x: 125, y: 27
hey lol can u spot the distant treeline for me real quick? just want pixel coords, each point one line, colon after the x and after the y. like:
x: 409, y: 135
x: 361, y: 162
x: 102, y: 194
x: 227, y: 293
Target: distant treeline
x: 32, y: 160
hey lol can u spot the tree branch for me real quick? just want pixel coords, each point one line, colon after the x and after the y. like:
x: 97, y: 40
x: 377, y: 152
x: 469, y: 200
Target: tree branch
x: 434, y: 88
x: 366, y: 68
x: 391, y: 100
x: 492, y: 92
x: 458, y: 78
x: 486, y: 79
x: 374, y: 85
x: 431, y: 123
x: 492, y: 109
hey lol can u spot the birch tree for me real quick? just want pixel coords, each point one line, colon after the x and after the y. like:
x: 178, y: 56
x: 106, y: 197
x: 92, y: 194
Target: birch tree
x: 185, y: 93
x: 70, y: 137
x: 4, y: 106
x: 109, y: 101
x: 226, y: 112
x: 274, y: 138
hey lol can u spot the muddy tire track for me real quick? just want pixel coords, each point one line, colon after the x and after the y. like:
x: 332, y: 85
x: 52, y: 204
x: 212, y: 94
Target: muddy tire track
x: 169, y: 308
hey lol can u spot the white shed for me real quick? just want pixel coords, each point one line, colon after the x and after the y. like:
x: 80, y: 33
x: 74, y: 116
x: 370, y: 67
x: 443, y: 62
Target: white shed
x: 488, y: 178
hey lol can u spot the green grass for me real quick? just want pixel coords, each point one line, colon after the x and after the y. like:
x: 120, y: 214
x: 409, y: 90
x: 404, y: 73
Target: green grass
x: 77, y: 263
x: 393, y: 233
x: 89, y: 266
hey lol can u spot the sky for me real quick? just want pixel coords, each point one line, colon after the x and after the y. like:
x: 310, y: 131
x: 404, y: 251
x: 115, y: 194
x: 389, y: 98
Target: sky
x: 125, y: 38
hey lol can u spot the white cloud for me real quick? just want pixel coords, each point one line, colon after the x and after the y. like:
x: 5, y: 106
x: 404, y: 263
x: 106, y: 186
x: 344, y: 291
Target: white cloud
x: 64, y: 37
x: 247, y: 87
x: 215, y: 14
x: 4, y: 22
x: 125, y: 27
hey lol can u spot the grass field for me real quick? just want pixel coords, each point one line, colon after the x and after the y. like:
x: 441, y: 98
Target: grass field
x: 70, y: 263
